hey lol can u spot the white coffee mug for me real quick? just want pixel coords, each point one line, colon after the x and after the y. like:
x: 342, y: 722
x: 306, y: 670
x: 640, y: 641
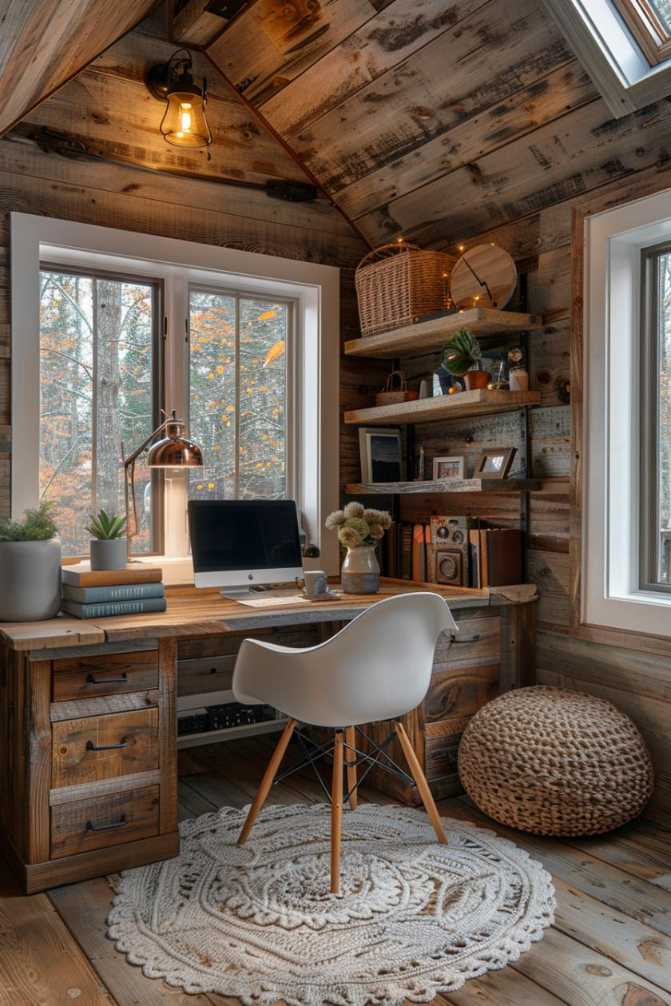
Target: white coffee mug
x: 316, y: 582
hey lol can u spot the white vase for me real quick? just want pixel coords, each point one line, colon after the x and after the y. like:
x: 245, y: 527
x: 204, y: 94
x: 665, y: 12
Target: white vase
x: 361, y: 571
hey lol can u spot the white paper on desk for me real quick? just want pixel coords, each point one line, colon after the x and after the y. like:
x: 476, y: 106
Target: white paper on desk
x: 273, y: 601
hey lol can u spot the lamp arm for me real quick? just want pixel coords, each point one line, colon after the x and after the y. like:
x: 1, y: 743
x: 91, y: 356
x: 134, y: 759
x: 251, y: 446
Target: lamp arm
x: 129, y: 481
x: 145, y: 443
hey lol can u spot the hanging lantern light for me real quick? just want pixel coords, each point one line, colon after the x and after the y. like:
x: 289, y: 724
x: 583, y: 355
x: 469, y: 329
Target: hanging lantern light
x: 184, y: 123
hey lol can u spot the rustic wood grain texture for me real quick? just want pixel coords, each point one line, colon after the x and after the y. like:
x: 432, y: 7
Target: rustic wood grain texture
x: 433, y: 334
x: 194, y: 24
x: 271, y: 43
x: 102, y: 747
x: 14, y: 748
x: 78, y: 708
x: 43, y: 45
x: 87, y: 825
x: 167, y: 733
x: 465, y: 403
x: 108, y: 108
x: 40, y: 768
x: 108, y: 674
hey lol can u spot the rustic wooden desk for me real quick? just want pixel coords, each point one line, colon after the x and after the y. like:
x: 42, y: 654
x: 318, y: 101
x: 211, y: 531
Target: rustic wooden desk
x: 88, y: 735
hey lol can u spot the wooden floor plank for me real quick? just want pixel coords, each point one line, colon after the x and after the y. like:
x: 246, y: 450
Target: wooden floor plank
x: 84, y: 908
x: 582, y: 977
x: 501, y: 988
x: 40, y: 962
x: 633, y: 896
x: 640, y: 849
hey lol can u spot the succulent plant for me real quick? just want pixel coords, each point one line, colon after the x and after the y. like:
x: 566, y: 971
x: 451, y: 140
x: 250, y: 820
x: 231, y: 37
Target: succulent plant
x: 461, y: 353
x: 106, y: 526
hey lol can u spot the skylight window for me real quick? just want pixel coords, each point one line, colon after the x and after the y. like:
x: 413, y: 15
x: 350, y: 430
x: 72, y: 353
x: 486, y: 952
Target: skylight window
x: 650, y: 23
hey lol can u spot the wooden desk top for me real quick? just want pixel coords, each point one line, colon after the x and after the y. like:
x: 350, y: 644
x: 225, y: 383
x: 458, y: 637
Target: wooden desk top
x: 192, y: 613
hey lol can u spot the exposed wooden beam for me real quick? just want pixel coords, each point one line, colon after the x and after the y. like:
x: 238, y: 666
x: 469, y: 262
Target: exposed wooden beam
x: 44, y: 44
x: 199, y: 22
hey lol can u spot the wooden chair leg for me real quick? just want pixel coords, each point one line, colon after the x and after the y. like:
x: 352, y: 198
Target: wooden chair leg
x: 336, y: 811
x: 422, y: 784
x: 267, y: 781
x: 350, y: 762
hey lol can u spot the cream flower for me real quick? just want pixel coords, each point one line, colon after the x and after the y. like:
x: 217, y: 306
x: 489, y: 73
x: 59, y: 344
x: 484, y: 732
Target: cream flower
x: 359, y: 525
x: 376, y: 532
x: 354, y: 510
x: 335, y: 519
x: 349, y: 537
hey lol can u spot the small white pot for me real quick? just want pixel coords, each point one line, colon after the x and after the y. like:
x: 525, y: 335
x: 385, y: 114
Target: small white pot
x: 361, y: 571
x: 109, y: 553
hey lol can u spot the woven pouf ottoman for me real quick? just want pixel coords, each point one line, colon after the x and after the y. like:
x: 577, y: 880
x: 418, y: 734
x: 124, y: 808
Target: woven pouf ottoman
x: 555, y: 762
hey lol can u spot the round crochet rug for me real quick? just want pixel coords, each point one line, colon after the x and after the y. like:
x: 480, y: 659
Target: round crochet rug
x: 414, y: 918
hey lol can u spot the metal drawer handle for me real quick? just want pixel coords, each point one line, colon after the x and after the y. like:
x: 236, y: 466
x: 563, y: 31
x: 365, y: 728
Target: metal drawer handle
x: 120, y: 680
x: 122, y: 822
x: 471, y: 639
x: 92, y: 746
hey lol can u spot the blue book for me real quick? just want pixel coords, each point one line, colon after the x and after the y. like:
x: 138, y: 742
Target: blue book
x: 122, y: 592
x: 107, y: 608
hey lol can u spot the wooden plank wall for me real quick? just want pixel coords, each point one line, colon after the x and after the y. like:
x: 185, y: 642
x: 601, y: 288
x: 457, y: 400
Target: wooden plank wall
x: 633, y: 671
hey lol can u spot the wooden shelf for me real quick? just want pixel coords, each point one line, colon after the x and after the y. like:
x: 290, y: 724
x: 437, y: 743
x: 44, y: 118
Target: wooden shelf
x: 425, y: 410
x: 442, y: 486
x: 428, y: 335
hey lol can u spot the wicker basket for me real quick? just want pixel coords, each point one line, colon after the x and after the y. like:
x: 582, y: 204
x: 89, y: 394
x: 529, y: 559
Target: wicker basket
x: 396, y: 390
x: 397, y: 284
x: 555, y: 762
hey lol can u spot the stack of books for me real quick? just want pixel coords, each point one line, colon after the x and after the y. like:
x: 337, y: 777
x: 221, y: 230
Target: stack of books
x: 93, y: 593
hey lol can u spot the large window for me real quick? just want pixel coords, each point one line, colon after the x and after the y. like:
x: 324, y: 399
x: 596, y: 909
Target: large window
x: 656, y: 419
x: 99, y: 389
x: 240, y: 347
x: 626, y: 460
x: 243, y: 346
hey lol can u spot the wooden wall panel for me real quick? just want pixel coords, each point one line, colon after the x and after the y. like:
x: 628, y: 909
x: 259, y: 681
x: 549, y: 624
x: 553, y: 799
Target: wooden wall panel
x: 43, y: 44
x: 108, y: 109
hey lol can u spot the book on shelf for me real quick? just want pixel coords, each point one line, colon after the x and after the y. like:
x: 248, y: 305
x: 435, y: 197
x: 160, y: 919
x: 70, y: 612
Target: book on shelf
x: 81, y: 575
x: 496, y: 556
x: 120, y: 592
x: 106, y: 609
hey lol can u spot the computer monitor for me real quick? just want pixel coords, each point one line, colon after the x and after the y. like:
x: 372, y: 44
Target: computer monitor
x: 237, y: 544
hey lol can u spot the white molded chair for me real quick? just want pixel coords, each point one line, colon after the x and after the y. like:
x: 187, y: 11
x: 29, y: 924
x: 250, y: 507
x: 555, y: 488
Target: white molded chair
x: 377, y: 668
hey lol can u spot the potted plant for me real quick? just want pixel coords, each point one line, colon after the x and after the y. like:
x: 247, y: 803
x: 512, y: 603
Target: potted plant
x: 109, y: 546
x: 359, y: 530
x: 30, y: 559
x: 462, y: 357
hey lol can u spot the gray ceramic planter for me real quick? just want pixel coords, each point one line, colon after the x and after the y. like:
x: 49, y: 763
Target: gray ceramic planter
x: 30, y: 580
x: 109, y: 553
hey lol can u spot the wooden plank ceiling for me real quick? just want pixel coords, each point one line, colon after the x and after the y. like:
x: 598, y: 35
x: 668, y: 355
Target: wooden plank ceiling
x: 435, y: 119
x: 43, y: 44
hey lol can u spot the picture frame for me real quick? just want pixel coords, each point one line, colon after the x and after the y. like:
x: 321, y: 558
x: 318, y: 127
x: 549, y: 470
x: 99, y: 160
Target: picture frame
x: 451, y: 467
x: 494, y: 463
x: 381, y: 454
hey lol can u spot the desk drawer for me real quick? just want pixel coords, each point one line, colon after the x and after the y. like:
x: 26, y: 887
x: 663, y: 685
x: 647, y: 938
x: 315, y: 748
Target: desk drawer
x: 101, y: 747
x: 104, y: 674
x: 110, y: 820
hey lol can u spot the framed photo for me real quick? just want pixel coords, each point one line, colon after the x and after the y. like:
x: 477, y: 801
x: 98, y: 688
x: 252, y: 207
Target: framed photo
x: 494, y: 463
x: 448, y: 468
x: 381, y: 454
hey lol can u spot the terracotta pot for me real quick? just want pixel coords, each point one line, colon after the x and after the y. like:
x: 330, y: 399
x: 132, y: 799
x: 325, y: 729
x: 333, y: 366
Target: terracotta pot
x: 476, y: 379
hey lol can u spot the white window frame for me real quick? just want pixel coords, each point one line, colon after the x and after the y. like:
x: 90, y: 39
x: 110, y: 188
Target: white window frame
x: 611, y: 594
x: 315, y: 290
x: 609, y: 52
